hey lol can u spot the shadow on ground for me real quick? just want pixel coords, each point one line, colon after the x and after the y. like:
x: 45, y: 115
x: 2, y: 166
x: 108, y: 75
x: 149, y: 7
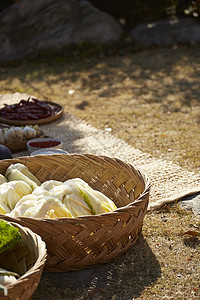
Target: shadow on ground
x: 155, y: 71
x: 124, y: 278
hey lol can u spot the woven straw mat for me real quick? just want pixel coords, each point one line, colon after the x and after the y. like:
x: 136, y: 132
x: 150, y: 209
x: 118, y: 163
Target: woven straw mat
x: 169, y: 181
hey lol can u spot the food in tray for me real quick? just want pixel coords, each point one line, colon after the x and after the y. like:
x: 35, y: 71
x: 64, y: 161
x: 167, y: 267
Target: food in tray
x: 51, y: 199
x: 31, y: 109
x: 43, y: 143
x: 9, y: 237
x: 18, y: 134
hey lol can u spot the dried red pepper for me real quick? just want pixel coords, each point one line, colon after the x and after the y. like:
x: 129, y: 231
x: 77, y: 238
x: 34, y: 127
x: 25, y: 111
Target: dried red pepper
x: 31, y: 109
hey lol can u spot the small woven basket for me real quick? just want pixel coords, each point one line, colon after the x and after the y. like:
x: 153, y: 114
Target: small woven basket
x: 87, y: 241
x: 27, y: 259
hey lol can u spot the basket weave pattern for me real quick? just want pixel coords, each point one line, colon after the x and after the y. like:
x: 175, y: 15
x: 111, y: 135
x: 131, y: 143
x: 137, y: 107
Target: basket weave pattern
x: 82, y: 242
x: 27, y: 259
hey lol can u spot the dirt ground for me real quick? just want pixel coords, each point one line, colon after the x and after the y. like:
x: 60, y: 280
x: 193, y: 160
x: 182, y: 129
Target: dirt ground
x: 151, y: 100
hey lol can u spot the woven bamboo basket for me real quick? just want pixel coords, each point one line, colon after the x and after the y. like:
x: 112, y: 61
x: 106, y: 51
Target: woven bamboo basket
x: 88, y: 241
x: 27, y: 259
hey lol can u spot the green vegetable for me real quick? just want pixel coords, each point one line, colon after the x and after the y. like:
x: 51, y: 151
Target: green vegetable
x: 9, y: 236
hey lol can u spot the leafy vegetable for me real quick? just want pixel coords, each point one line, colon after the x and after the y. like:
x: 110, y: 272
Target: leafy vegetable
x: 40, y: 206
x: 11, y: 192
x: 9, y: 236
x: 4, y: 209
x: 21, y: 172
x: 2, y: 179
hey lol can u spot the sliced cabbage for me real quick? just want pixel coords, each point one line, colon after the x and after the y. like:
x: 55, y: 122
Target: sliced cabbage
x: 4, y: 209
x: 21, y: 172
x: 11, y: 192
x: 96, y: 201
x: 40, y: 207
x: 3, y: 179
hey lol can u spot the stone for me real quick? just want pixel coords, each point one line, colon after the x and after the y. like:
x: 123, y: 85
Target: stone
x: 43, y: 25
x: 192, y: 203
x: 167, y: 32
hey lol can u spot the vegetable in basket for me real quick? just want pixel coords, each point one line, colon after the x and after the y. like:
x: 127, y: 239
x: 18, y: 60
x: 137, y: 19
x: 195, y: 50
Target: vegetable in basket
x: 71, y: 198
x: 40, y: 206
x: 51, y: 199
x: 81, y: 189
x: 7, y: 277
x: 4, y: 209
x: 47, y: 186
x: 77, y: 196
x: 3, y: 179
x: 21, y: 172
x: 11, y: 192
x: 9, y: 237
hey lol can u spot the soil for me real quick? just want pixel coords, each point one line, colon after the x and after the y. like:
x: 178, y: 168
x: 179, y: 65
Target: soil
x: 150, y: 99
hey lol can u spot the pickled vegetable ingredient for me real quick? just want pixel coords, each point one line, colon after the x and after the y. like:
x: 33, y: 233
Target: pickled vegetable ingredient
x: 24, y: 195
x: 20, y: 172
x: 9, y: 237
x: 19, y: 134
x: 31, y: 109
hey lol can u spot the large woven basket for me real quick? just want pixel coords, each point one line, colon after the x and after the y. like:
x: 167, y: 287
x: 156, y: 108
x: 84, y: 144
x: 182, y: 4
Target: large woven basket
x: 82, y: 242
x: 27, y: 259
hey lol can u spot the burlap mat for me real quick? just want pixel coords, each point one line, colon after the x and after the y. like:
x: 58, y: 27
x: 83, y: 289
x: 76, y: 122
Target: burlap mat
x: 169, y: 181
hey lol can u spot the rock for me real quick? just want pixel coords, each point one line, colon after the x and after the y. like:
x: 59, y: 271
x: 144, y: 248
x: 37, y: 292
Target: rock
x: 29, y: 25
x: 167, y: 32
x: 192, y: 203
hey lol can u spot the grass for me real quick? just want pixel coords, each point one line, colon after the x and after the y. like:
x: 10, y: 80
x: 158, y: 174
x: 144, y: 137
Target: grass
x: 150, y: 99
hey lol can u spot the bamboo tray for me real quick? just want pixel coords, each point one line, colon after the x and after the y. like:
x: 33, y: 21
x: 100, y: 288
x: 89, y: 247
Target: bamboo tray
x: 27, y: 259
x: 88, y: 241
x: 17, y: 147
x: 58, y: 113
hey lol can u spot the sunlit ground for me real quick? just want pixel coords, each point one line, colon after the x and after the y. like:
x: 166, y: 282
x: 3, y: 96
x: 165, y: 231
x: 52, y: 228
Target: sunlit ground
x: 151, y: 100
